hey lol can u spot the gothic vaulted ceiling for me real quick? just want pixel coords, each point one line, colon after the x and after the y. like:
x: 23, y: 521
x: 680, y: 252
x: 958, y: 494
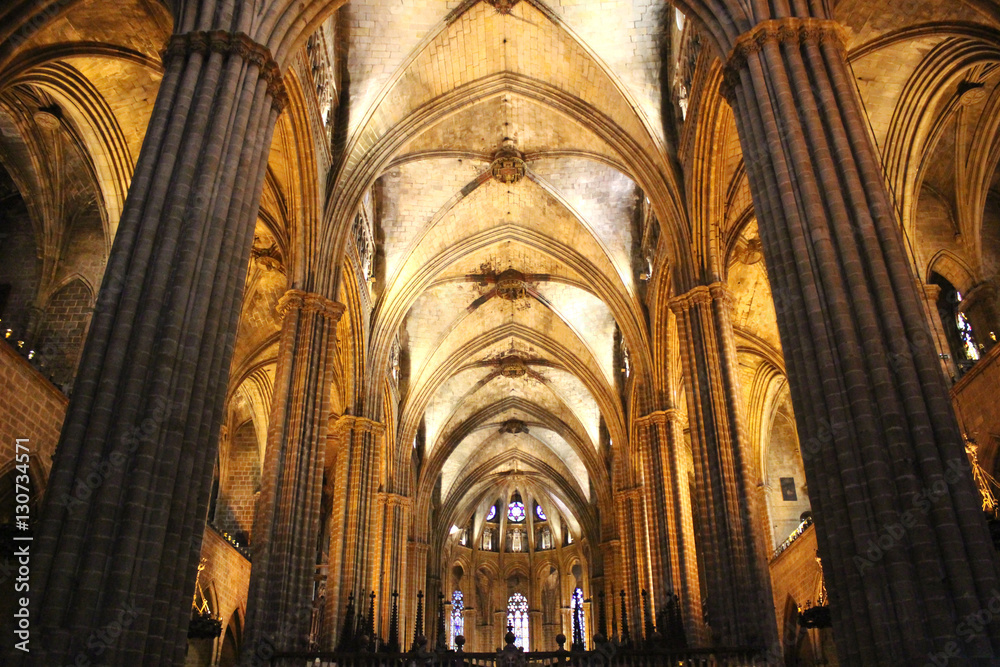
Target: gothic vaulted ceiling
x: 510, y: 155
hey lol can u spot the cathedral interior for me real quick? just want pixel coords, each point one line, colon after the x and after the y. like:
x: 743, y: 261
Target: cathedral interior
x: 403, y: 327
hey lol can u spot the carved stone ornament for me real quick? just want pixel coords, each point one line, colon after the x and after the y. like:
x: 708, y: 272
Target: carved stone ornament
x: 514, y: 426
x: 513, y: 367
x: 786, y: 31
x: 502, y: 6
x: 511, y: 285
x: 236, y: 43
x: 508, y: 165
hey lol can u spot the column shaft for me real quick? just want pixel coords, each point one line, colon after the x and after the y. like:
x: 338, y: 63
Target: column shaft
x: 900, y: 530
x: 355, y: 447
x: 287, y: 522
x: 390, y: 552
x: 740, y: 608
x: 124, y: 515
x: 675, y: 565
x: 633, y: 566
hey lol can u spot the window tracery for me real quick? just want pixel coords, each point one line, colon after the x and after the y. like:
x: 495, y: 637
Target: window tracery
x: 517, y: 619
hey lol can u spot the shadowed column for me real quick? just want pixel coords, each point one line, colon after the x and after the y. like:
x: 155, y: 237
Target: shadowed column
x: 287, y: 523
x: 907, y: 556
x: 119, y: 540
x: 740, y: 608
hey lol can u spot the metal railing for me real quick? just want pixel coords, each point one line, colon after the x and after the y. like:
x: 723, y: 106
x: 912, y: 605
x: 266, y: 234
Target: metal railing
x: 608, y: 654
x: 796, y: 534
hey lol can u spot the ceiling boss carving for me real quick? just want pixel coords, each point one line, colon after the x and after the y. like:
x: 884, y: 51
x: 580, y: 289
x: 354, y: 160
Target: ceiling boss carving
x: 513, y: 367
x: 514, y: 426
x: 508, y: 164
x: 511, y: 285
x: 502, y: 6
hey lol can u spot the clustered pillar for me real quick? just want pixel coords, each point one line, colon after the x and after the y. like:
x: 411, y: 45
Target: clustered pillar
x: 740, y: 608
x: 906, y: 553
x: 634, y: 565
x: 122, y: 525
x: 673, y: 554
x: 287, y: 522
x: 355, y: 444
x: 392, y: 531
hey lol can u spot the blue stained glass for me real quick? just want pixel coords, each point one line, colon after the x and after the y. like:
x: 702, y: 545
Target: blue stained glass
x: 492, y: 513
x: 457, y: 617
x: 515, y: 512
x: 540, y: 513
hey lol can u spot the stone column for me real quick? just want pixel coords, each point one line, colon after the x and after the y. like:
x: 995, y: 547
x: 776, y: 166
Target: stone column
x: 929, y: 294
x: 905, y: 548
x: 672, y: 552
x: 740, y: 607
x: 469, y: 630
x: 633, y: 565
x: 121, y: 530
x: 392, y: 529
x: 287, y: 522
x: 416, y: 581
x: 537, y: 640
x: 355, y: 445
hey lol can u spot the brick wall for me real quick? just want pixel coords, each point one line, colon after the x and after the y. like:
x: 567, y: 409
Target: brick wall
x: 794, y: 578
x: 975, y: 401
x: 225, y: 582
x: 61, y: 337
x: 238, y: 492
x: 31, y: 408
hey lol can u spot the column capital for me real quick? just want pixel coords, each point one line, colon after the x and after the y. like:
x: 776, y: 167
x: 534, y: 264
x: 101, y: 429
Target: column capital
x: 239, y: 43
x: 352, y: 424
x: 930, y: 291
x: 778, y: 31
x: 394, y: 500
x: 632, y: 492
x: 659, y: 417
x: 295, y: 299
x: 701, y: 294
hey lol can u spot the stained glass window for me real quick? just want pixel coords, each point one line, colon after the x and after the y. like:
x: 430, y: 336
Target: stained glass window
x: 517, y: 619
x: 492, y: 514
x: 965, y: 334
x: 457, y: 617
x: 515, y: 511
x: 579, y: 621
x: 540, y: 513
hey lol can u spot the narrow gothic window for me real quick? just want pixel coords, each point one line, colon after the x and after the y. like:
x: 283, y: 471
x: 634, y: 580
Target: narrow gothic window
x: 579, y: 621
x: 488, y: 539
x: 517, y: 619
x: 540, y: 513
x: 965, y: 334
x: 516, y: 542
x: 457, y: 617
